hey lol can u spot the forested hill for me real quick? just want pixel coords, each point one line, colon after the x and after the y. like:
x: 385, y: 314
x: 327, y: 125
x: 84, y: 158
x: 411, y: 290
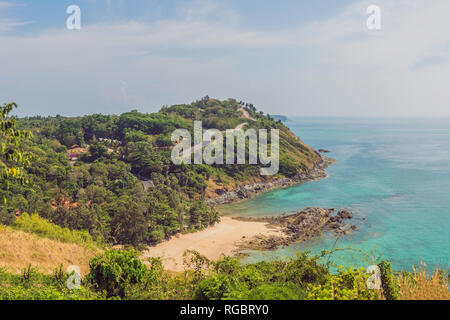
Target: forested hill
x: 113, y: 176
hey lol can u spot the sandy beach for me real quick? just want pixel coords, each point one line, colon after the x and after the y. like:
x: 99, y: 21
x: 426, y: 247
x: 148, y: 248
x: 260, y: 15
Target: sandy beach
x: 223, y: 238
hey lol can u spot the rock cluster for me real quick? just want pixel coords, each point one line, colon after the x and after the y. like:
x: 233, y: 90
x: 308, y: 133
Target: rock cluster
x: 298, y: 227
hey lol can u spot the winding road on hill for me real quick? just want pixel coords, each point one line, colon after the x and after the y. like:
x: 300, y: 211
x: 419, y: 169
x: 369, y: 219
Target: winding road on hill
x: 187, y: 153
x: 246, y: 114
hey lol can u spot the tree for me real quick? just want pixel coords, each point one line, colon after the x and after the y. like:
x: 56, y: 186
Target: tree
x: 98, y: 150
x: 114, y: 270
x: 129, y: 223
x: 200, y: 216
x: 13, y: 159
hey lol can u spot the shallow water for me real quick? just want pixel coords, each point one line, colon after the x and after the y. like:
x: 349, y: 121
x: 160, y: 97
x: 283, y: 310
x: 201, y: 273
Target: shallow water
x: 394, y: 173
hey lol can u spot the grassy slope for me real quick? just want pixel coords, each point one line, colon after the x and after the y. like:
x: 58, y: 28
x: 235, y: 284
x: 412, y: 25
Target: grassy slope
x: 19, y: 249
x: 34, y: 240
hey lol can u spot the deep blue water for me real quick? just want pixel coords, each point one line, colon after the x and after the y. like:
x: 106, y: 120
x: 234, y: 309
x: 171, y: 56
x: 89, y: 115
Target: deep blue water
x: 394, y: 173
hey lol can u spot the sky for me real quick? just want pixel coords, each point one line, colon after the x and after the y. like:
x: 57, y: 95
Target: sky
x: 292, y: 57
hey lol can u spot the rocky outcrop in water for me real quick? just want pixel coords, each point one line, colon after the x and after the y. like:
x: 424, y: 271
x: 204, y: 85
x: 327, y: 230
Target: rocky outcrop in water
x: 298, y: 227
x: 249, y: 191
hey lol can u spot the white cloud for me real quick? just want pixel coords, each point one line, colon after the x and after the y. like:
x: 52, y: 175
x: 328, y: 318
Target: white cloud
x: 333, y: 67
x: 7, y: 24
x: 375, y: 73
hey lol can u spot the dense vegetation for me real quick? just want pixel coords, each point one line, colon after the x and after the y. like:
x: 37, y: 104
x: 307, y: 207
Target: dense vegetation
x: 122, y: 275
x: 112, y: 176
x: 13, y: 159
x: 91, y: 194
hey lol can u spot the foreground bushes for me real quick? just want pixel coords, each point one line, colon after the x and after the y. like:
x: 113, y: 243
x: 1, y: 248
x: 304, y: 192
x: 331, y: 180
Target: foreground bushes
x: 122, y: 275
x: 347, y: 284
x: 47, y: 293
x: 32, y: 285
x: 112, y: 271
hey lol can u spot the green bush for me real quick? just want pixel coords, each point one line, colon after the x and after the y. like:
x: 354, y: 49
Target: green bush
x: 47, y: 293
x: 251, y: 276
x: 271, y: 291
x: 227, y: 265
x: 304, y: 270
x: 347, y: 284
x: 156, y: 234
x: 388, y: 281
x: 217, y: 287
x: 33, y: 285
x: 114, y: 270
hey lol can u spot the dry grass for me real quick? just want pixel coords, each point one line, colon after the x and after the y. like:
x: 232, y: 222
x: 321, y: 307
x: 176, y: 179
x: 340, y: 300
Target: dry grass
x: 423, y: 287
x: 19, y: 249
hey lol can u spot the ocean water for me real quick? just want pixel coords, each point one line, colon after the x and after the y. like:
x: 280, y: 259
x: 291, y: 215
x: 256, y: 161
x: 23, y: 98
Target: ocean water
x: 395, y: 174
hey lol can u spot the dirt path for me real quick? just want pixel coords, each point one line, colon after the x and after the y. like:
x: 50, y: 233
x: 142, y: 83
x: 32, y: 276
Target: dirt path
x: 246, y: 114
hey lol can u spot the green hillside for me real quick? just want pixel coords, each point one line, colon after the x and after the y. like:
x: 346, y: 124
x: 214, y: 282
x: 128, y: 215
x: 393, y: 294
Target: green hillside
x: 113, y: 177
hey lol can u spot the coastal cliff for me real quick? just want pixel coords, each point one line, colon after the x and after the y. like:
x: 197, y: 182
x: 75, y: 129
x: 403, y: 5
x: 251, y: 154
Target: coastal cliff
x: 248, y: 191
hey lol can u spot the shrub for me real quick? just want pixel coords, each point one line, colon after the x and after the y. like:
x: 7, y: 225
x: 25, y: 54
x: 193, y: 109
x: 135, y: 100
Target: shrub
x: 251, y: 276
x: 217, y: 287
x: 156, y: 234
x: 114, y: 270
x: 305, y: 270
x: 6, y: 217
x: 157, y: 284
x: 271, y: 291
x: 227, y: 265
x: 33, y: 285
x: 348, y: 284
x: 388, y: 281
x: 46, y: 293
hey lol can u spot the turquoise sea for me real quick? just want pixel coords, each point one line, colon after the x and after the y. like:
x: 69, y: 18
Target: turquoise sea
x: 394, y: 173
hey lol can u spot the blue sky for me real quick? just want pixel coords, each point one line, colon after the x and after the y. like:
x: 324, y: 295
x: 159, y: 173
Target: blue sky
x: 296, y: 57
x: 262, y: 14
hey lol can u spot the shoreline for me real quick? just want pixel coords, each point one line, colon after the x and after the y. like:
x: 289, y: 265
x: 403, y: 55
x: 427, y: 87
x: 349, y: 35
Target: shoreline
x: 224, y: 238
x: 233, y: 234
x: 251, y: 190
